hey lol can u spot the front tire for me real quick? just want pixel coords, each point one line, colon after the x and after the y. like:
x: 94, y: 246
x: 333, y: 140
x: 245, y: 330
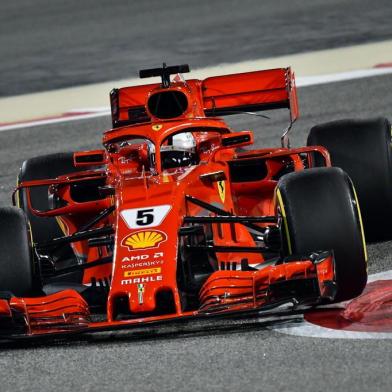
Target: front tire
x: 320, y: 213
x: 46, y: 228
x: 39, y: 168
x: 16, y: 260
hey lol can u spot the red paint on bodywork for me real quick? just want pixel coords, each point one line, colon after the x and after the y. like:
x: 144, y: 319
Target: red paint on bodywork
x: 132, y: 176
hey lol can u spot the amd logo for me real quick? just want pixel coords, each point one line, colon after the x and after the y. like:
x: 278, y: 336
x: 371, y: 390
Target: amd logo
x: 136, y: 258
x: 156, y: 255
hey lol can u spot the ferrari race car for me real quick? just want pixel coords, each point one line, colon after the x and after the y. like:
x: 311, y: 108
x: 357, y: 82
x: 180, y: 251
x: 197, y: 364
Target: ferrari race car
x: 176, y: 218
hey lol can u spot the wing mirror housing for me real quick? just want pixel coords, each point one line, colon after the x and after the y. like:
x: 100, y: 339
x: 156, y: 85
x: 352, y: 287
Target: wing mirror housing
x: 89, y: 158
x: 237, y: 139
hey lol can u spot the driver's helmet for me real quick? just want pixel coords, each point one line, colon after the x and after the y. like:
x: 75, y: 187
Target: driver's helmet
x: 180, y: 152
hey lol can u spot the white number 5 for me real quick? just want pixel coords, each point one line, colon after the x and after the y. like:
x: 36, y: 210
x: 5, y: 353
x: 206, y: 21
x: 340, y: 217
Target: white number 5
x: 137, y: 218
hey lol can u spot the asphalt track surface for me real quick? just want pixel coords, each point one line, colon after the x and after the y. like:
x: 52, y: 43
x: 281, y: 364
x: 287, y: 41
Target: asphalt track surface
x: 47, y: 44
x: 243, y: 355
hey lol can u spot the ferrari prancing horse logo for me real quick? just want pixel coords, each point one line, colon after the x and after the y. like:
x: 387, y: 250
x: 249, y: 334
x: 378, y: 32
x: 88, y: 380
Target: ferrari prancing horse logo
x: 222, y: 190
x: 157, y: 127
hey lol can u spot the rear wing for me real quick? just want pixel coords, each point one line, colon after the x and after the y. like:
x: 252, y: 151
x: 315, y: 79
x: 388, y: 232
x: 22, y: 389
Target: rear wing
x: 250, y: 91
x: 128, y: 104
x: 219, y: 95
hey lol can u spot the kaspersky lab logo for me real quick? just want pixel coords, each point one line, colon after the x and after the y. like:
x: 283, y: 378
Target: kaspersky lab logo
x: 144, y: 239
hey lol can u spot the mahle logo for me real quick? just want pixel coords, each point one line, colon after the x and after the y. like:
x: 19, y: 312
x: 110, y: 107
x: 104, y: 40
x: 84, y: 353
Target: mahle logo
x: 142, y: 279
x: 144, y: 239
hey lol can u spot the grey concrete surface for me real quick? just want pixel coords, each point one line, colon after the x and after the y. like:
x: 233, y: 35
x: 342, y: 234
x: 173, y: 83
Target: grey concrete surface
x: 48, y: 44
x: 228, y: 356
x: 253, y: 360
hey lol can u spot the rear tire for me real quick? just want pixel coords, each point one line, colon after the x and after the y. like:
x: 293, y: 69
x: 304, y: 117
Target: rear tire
x: 16, y: 261
x: 320, y: 213
x: 362, y: 148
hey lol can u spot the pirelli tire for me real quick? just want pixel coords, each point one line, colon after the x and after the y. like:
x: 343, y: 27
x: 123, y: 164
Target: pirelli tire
x: 362, y: 148
x: 320, y: 211
x: 39, y: 168
x: 16, y: 258
x: 46, y: 228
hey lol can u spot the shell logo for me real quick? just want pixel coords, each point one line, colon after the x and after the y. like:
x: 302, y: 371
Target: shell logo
x: 144, y: 239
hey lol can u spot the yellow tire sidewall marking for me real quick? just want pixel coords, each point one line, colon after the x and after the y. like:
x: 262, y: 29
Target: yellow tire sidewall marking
x: 284, y: 216
x: 360, y: 224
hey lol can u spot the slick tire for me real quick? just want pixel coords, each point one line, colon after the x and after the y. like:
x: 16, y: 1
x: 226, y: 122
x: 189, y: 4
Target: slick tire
x: 362, y: 148
x: 43, y: 228
x: 16, y: 261
x: 43, y: 167
x: 320, y: 212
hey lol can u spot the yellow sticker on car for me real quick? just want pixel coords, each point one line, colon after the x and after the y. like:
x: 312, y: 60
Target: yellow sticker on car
x: 157, y: 127
x: 222, y: 190
x: 141, y: 272
x: 144, y: 239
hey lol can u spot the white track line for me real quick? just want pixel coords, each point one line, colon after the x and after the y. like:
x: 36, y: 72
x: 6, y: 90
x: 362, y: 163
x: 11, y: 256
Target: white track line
x: 342, y: 76
x: 60, y: 119
x: 306, y: 329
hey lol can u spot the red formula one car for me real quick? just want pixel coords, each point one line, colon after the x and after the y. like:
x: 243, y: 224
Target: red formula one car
x: 175, y: 219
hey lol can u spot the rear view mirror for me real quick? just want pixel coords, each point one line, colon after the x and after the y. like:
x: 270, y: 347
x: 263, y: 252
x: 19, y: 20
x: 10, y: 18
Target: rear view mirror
x: 237, y: 139
x: 89, y: 158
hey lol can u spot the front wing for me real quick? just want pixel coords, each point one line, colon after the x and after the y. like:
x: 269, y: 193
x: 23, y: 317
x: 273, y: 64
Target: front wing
x: 299, y: 281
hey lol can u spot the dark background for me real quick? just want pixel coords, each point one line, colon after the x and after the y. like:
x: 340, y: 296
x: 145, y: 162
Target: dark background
x: 48, y: 44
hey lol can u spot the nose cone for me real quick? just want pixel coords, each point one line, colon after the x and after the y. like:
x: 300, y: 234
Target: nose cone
x: 143, y: 291
x: 145, y: 256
